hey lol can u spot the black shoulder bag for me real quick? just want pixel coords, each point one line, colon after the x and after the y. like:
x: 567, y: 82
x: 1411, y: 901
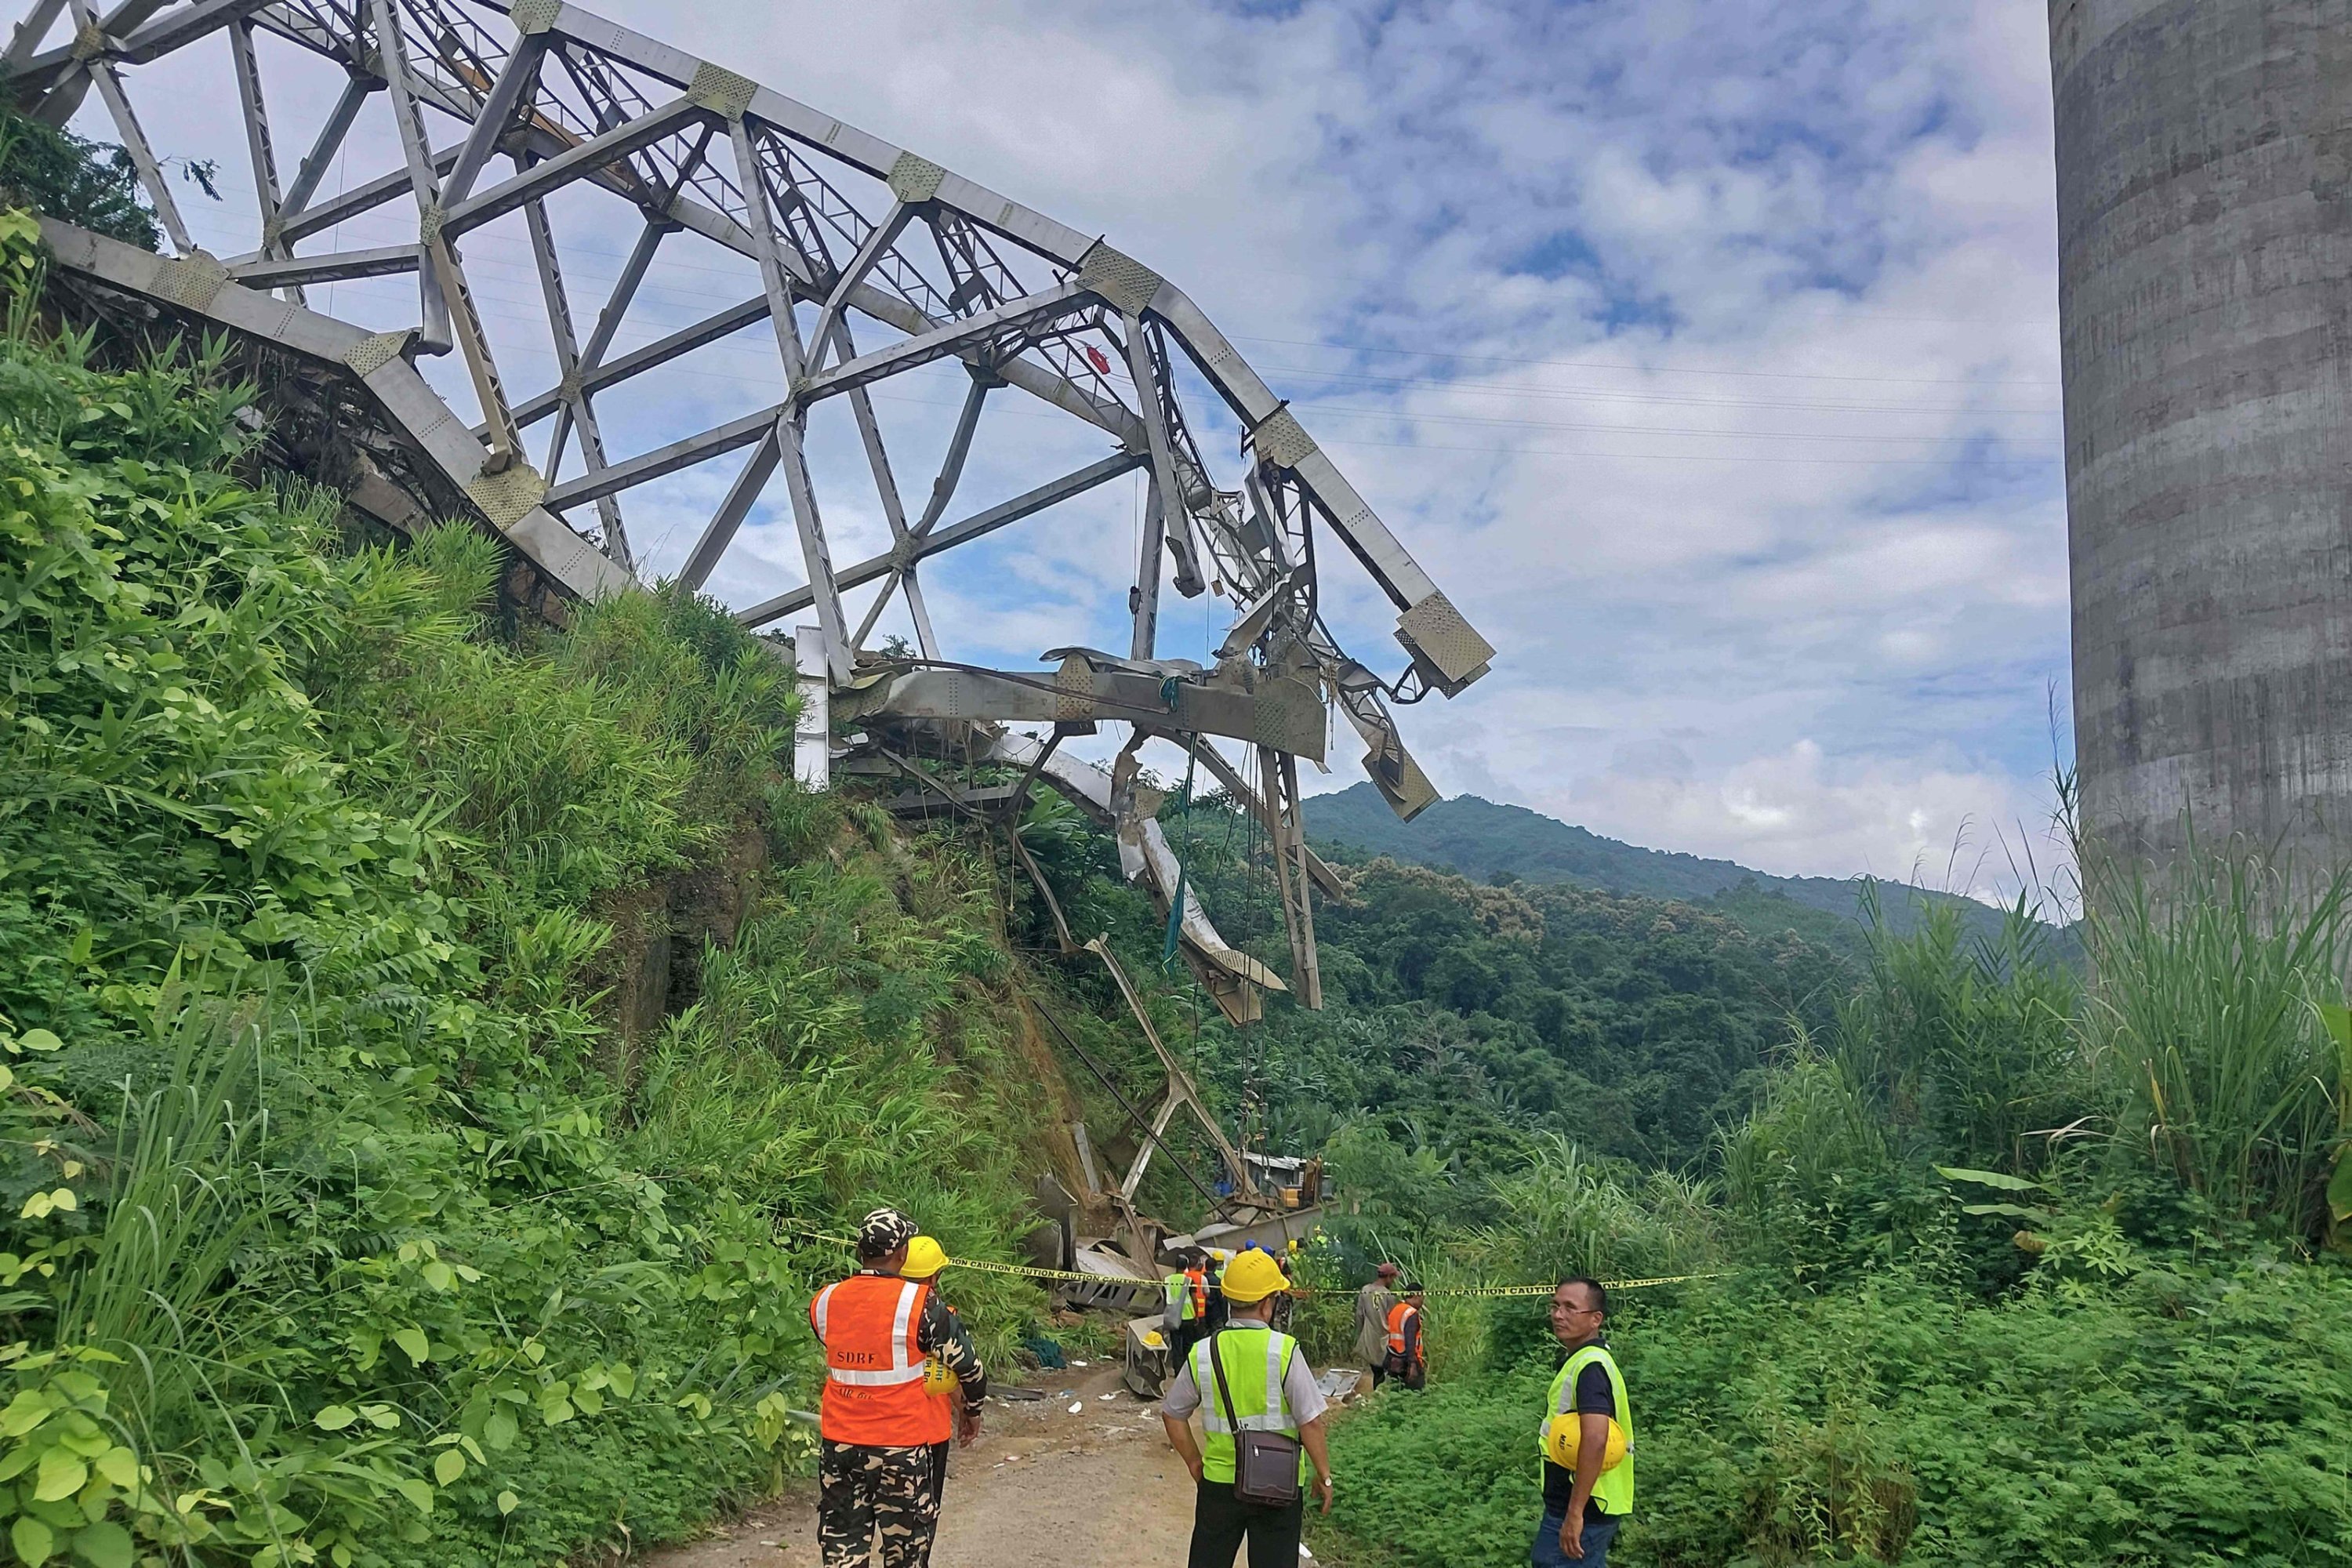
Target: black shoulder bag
x: 1265, y: 1463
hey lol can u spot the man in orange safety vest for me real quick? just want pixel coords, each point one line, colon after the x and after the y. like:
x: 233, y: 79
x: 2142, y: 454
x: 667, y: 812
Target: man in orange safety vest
x: 876, y: 1422
x: 1408, y: 1359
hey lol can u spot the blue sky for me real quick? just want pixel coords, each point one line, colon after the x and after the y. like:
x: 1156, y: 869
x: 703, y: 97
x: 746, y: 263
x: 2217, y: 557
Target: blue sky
x: 1705, y: 353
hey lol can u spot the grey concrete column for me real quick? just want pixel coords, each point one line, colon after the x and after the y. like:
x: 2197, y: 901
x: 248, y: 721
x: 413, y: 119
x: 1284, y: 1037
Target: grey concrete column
x: 2204, y: 152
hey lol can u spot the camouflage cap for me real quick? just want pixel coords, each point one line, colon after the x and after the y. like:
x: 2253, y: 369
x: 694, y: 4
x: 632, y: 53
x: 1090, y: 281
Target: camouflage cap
x: 883, y: 1232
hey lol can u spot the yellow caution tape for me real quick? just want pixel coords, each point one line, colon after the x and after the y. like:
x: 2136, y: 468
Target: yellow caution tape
x: 1028, y: 1271
x: 1547, y: 1290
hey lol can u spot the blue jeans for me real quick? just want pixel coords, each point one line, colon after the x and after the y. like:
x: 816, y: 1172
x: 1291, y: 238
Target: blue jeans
x: 1599, y: 1530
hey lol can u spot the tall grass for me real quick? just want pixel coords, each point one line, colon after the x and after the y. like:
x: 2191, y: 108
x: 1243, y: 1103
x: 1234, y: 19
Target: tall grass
x: 174, y: 1214
x: 1814, y: 1130
x: 1966, y: 1045
x: 1564, y: 1212
x: 2205, y: 1024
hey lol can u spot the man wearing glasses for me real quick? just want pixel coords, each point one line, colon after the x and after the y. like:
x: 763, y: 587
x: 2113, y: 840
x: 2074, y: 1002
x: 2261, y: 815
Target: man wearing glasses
x: 1583, y: 1506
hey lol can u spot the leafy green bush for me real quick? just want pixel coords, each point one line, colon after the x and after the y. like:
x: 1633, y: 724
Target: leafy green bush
x: 2188, y: 1417
x: 339, y: 1221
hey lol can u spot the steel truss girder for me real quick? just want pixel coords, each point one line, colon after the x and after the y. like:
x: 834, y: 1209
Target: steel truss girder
x: 581, y: 98
x: 574, y: 102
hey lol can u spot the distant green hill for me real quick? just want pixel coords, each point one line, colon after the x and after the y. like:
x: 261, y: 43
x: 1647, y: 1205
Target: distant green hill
x: 1484, y: 840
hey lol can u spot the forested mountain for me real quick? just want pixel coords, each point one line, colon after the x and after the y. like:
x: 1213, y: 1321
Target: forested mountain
x: 1486, y: 840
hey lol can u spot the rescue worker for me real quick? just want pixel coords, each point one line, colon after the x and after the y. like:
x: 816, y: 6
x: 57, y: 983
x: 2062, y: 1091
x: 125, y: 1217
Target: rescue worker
x: 1408, y: 1354
x: 1285, y: 1302
x: 1585, y: 1507
x: 925, y: 1258
x: 1213, y: 1271
x: 1187, y: 1305
x: 876, y: 1422
x: 1282, y: 1298
x: 1373, y: 1300
x: 1272, y: 1390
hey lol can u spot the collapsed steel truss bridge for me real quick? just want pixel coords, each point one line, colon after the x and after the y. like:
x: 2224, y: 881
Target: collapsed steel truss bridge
x: 871, y: 263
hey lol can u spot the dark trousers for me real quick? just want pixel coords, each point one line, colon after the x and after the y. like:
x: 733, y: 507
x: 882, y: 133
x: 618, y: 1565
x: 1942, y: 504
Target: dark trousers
x: 1220, y: 1521
x: 1599, y: 1530
x: 939, y: 1473
x: 1380, y: 1374
x: 864, y: 1493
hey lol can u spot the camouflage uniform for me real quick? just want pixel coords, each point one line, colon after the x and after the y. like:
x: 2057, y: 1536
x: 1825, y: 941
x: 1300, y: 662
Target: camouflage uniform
x: 863, y: 1488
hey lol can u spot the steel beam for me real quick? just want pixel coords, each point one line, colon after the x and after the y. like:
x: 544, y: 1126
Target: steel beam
x: 976, y: 526
x: 493, y: 119
x: 685, y: 341
x: 339, y: 265
x: 577, y: 403
x: 258, y: 150
x: 959, y: 451
x: 669, y: 460
x: 950, y: 340
x: 815, y: 553
x: 591, y: 156
x: 303, y: 222
x: 321, y: 156
x: 1165, y: 499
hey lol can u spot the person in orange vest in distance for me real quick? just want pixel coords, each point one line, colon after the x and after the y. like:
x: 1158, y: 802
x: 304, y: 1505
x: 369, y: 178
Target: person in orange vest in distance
x: 1186, y: 1305
x: 1408, y: 1361
x: 877, y: 1424
x: 1196, y: 1275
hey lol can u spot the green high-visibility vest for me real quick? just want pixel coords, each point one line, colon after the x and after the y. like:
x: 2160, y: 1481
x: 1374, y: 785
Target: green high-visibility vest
x: 1614, y: 1489
x: 1253, y: 1357
x: 1180, y: 1296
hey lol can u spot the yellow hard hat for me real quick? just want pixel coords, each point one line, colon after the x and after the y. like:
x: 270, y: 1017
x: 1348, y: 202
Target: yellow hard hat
x: 938, y: 1376
x: 1252, y: 1276
x: 1564, y: 1435
x: 924, y: 1257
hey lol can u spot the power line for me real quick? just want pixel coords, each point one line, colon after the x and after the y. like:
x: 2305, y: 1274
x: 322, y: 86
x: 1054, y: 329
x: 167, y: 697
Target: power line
x: 1604, y: 395
x: 1644, y: 369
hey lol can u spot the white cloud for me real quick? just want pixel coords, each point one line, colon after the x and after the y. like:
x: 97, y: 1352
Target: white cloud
x: 1704, y: 349
x: 1796, y: 811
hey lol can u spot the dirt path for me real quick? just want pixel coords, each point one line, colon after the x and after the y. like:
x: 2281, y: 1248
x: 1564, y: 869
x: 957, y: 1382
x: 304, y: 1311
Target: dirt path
x: 1042, y: 1485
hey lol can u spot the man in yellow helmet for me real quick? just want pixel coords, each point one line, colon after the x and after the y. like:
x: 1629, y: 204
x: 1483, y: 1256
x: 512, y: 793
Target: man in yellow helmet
x: 1585, y: 1507
x: 1265, y: 1386
x: 925, y: 1258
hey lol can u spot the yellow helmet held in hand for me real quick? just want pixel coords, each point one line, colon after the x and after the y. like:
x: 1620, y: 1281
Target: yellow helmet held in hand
x: 1252, y: 1276
x: 924, y: 1257
x: 1564, y: 1435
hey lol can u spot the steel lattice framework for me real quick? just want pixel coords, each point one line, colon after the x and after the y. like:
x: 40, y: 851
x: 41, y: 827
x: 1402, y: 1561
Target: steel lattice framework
x: 872, y: 263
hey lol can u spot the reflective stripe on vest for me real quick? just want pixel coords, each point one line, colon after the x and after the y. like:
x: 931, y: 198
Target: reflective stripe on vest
x: 870, y: 1325
x: 1614, y: 1489
x: 1254, y: 1380
x: 1399, y: 1315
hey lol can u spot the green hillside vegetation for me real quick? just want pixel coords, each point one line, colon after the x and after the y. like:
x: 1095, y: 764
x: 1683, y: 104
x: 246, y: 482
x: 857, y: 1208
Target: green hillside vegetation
x: 415, y: 1031
x: 1978, y: 1265
x: 1487, y: 841
x: 1998, y: 1270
